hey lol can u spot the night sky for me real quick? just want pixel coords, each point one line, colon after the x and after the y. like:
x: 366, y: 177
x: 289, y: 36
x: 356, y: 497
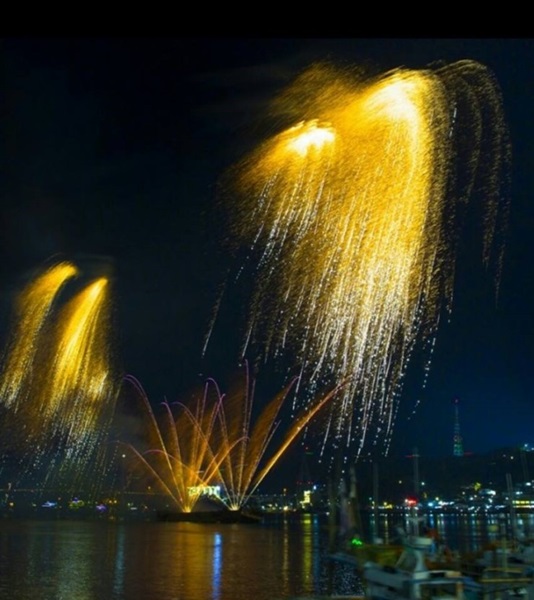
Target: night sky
x: 112, y: 150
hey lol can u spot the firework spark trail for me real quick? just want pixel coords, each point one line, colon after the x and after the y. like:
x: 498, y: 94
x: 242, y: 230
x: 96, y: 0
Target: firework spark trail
x: 58, y: 386
x: 77, y: 391
x: 180, y: 459
x: 33, y: 307
x: 247, y: 461
x: 216, y: 442
x: 354, y: 215
x: 245, y: 438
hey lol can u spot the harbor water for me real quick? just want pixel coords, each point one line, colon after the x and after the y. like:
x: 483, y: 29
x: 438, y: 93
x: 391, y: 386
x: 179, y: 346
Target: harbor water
x: 281, y: 557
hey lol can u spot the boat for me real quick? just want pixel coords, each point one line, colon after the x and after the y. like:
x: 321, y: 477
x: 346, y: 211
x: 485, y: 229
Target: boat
x: 410, y: 578
x: 210, y: 516
x: 522, y: 553
x: 349, y: 544
x: 499, y: 583
x: 501, y: 570
x: 424, y: 568
x: 496, y: 575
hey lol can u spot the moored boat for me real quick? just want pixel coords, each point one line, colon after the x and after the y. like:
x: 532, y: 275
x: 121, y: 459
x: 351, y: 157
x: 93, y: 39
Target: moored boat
x: 410, y: 578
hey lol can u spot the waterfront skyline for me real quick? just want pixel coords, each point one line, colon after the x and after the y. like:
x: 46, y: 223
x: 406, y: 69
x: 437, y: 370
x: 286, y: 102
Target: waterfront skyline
x: 115, y: 148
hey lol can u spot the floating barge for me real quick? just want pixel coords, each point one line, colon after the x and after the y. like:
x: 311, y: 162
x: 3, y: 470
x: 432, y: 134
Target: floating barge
x: 210, y: 516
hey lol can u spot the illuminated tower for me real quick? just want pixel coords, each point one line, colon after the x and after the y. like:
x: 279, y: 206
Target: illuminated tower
x: 458, y: 448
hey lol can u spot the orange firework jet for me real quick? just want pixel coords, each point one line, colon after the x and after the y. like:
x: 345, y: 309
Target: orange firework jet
x: 217, y: 444
x: 176, y: 455
x: 246, y: 441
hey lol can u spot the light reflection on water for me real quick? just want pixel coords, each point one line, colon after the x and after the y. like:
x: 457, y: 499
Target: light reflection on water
x: 84, y: 560
x: 464, y: 532
x: 280, y: 558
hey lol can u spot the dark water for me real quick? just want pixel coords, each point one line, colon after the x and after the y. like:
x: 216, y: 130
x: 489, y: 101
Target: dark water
x: 280, y: 558
x: 77, y: 560
x: 464, y: 532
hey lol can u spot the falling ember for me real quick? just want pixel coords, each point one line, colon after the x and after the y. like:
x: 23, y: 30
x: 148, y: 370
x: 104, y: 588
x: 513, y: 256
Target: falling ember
x: 354, y: 216
x: 58, y: 387
x: 33, y: 307
x: 77, y: 386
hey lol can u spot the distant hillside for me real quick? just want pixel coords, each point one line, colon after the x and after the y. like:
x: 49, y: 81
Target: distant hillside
x: 445, y: 476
